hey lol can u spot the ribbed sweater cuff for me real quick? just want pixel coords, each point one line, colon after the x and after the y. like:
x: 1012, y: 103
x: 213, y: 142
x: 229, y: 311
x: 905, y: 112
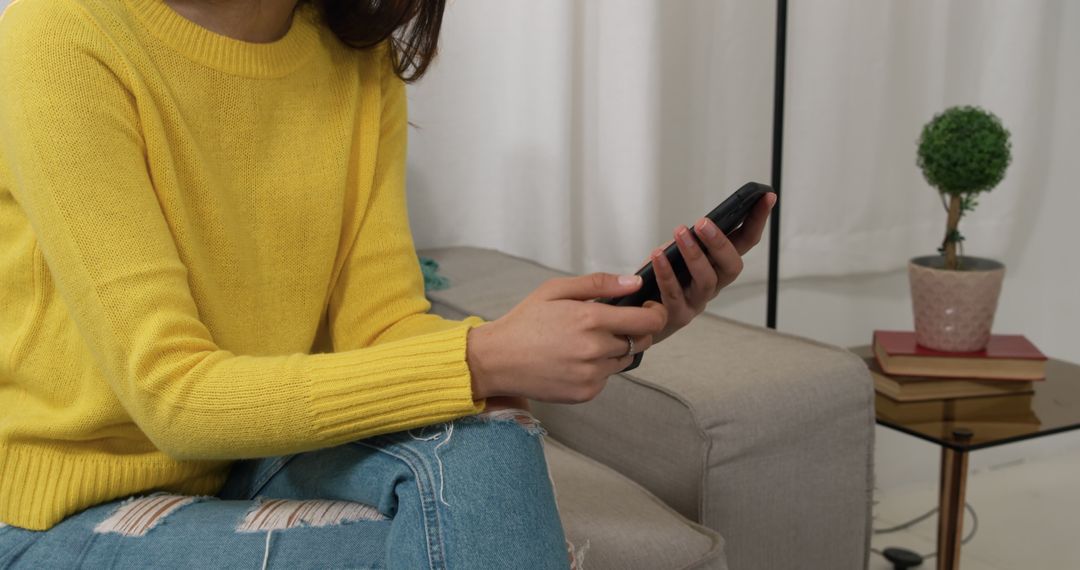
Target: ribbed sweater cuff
x: 44, y: 485
x: 390, y: 387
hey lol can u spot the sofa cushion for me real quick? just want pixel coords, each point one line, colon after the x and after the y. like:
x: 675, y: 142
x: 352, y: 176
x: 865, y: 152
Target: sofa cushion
x: 624, y: 526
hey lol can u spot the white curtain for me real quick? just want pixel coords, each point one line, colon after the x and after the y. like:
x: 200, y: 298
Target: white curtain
x: 580, y: 133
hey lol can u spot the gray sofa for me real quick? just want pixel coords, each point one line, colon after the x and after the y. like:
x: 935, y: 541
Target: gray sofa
x: 731, y: 446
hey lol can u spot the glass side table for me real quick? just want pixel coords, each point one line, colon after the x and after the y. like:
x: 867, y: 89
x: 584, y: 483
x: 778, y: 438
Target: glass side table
x: 1054, y: 407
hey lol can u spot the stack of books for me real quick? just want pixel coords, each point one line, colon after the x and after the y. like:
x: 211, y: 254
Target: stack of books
x: 994, y: 416
x: 905, y: 371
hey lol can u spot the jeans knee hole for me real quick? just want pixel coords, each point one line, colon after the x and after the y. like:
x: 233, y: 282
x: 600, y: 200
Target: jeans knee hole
x: 523, y: 418
x: 283, y: 514
x: 139, y: 515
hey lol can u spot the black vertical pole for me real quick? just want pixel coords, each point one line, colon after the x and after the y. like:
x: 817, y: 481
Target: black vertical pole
x: 777, y: 159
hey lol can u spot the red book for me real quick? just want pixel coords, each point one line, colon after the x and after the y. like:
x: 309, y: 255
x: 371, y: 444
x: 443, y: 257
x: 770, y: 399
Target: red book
x: 1006, y: 357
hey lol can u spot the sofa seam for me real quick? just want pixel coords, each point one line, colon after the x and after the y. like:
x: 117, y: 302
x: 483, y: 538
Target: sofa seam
x: 871, y: 444
x: 702, y: 435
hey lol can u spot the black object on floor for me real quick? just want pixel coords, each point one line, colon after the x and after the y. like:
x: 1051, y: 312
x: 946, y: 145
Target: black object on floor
x: 902, y: 558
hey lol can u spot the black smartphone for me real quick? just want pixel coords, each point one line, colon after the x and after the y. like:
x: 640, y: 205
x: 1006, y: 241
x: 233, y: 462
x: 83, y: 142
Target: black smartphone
x: 728, y: 216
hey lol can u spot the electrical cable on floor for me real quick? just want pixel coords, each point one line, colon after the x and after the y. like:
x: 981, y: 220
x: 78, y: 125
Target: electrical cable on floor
x: 908, y: 524
x: 920, y: 518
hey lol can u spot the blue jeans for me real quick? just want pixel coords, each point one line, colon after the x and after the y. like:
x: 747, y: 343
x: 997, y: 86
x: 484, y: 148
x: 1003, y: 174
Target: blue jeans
x: 472, y: 493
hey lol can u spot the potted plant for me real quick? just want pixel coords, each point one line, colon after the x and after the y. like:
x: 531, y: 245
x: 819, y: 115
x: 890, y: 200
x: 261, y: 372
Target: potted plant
x: 963, y: 151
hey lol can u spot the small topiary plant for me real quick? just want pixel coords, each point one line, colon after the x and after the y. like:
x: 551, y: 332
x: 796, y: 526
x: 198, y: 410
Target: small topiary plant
x: 962, y: 151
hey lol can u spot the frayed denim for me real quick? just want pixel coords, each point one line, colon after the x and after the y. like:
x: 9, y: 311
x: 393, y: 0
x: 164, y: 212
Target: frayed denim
x: 472, y: 493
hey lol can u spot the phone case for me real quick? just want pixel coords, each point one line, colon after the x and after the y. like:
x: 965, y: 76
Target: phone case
x: 727, y: 216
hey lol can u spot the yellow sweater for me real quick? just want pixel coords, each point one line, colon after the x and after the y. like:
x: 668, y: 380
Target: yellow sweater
x: 204, y: 255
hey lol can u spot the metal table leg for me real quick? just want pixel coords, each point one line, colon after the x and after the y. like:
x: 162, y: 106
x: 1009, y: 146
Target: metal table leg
x: 951, y: 507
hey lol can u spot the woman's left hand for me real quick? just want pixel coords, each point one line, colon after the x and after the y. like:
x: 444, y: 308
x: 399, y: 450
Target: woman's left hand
x: 710, y: 270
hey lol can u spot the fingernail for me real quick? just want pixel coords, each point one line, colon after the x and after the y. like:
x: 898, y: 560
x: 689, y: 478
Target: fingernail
x: 684, y: 237
x: 707, y: 227
x: 629, y: 279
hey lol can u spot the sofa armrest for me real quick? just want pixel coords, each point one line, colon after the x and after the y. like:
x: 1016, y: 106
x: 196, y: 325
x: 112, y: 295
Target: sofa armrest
x: 763, y: 436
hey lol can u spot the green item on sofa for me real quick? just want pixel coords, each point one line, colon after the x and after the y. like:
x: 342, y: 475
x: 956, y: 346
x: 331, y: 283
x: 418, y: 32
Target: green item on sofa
x: 432, y: 280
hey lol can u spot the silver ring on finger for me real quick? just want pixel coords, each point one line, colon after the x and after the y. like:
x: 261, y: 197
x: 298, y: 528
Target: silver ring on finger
x: 630, y: 346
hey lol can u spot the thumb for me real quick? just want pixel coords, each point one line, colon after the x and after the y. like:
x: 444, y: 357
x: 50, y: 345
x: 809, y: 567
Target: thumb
x: 659, y: 308
x: 591, y: 286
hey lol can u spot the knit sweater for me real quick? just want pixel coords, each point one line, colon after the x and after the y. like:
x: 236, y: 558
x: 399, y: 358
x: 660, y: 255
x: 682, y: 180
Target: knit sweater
x: 205, y: 255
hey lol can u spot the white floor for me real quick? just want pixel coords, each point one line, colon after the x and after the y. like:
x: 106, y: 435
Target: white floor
x: 1028, y: 512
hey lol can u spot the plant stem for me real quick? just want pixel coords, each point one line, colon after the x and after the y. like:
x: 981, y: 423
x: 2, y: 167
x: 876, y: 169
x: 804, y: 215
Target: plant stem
x: 950, y: 230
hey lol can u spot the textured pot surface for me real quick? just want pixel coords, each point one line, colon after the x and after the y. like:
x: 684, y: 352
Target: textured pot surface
x: 954, y: 310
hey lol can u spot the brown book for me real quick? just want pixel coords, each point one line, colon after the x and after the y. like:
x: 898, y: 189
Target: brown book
x: 1015, y: 409
x: 920, y: 388
x: 1006, y: 357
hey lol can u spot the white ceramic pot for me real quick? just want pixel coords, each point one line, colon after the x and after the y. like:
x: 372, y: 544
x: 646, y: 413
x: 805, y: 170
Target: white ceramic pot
x: 954, y: 310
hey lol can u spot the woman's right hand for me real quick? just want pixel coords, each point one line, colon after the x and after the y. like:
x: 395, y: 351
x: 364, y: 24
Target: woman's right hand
x: 556, y: 347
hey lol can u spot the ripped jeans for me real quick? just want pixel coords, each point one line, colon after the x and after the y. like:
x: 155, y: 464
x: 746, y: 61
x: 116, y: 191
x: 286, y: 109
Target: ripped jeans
x: 471, y: 493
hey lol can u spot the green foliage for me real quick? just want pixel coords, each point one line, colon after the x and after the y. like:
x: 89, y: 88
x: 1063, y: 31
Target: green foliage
x: 964, y: 150
x: 967, y: 204
x: 953, y: 236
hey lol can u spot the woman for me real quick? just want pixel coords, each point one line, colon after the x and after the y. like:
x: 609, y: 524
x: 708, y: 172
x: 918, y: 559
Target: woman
x: 206, y: 257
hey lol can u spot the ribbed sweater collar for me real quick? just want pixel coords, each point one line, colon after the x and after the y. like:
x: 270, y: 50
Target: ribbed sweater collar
x: 238, y: 57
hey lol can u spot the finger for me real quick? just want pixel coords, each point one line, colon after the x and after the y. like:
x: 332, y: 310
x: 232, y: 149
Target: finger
x: 617, y: 345
x: 702, y: 274
x: 616, y: 365
x: 749, y: 234
x: 726, y: 261
x: 661, y: 248
x: 671, y: 292
x: 660, y: 309
x: 626, y: 320
x: 586, y: 287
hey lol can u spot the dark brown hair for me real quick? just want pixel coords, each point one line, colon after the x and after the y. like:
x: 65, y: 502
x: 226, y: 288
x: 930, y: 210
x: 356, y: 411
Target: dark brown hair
x: 411, y: 26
